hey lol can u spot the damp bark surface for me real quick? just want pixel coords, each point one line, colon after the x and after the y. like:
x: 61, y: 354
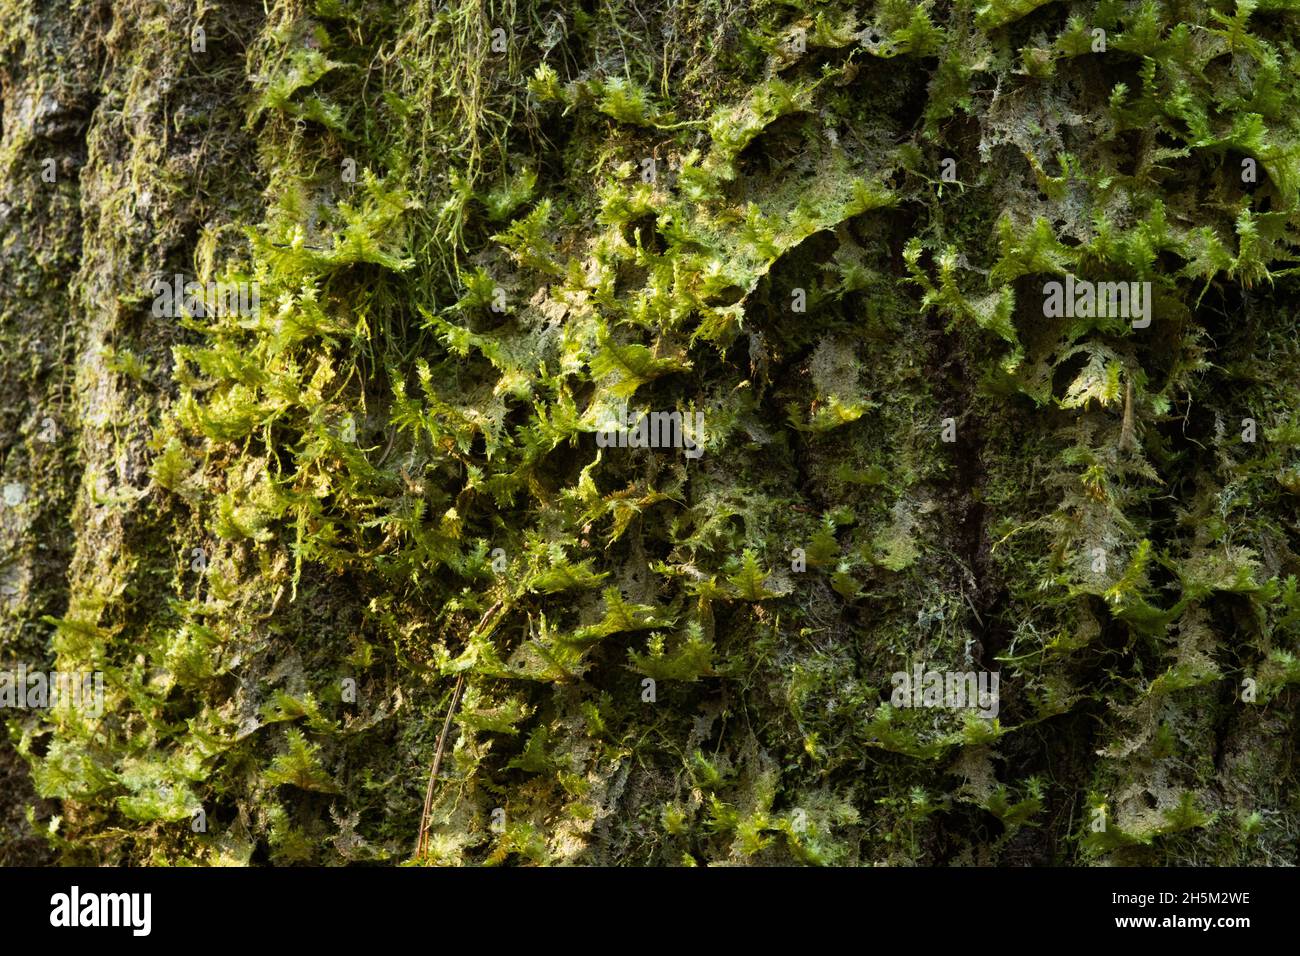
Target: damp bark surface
x: 472, y: 237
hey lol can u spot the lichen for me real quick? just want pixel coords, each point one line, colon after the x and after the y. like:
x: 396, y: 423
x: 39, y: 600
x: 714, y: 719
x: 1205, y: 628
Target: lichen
x: 295, y: 541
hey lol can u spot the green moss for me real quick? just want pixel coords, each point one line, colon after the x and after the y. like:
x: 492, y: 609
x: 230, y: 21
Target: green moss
x: 316, y: 520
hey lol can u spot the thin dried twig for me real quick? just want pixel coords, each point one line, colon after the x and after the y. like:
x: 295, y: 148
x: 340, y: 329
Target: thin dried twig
x: 422, y: 841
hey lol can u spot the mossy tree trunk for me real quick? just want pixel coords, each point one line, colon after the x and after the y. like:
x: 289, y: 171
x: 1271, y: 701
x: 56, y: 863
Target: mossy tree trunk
x: 479, y: 234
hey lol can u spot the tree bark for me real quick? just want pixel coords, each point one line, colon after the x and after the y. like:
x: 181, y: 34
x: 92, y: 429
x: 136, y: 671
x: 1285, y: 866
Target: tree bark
x: 966, y: 337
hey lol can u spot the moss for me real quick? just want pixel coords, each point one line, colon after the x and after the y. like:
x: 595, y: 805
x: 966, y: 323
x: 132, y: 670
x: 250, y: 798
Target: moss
x: 479, y: 233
